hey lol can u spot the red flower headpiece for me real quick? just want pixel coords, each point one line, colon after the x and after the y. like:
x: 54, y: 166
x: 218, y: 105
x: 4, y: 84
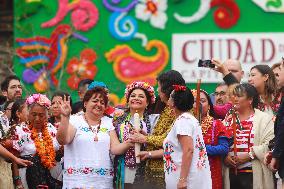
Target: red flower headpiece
x: 179, y: 88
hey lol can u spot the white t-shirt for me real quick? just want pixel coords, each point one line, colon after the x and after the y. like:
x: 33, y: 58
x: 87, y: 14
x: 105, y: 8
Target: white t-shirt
x: 199, y: 176
x: 87, y: 163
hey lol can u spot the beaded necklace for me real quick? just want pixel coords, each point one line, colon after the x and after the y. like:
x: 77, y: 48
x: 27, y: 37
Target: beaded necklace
x: 94, y: 130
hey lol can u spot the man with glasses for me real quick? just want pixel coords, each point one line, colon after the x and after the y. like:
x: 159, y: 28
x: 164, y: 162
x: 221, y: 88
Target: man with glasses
x: 11, y: 88
x: 220, y: 94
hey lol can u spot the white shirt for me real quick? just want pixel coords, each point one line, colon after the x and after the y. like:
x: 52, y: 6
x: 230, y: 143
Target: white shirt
x: 87, y: 163
x: 199, y: 173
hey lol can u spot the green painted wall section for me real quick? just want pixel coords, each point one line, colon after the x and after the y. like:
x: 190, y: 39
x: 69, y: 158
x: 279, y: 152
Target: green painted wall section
x: 252, y: 19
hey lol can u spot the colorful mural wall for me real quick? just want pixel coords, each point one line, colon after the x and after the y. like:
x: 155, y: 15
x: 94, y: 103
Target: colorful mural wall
x: 59, y: 42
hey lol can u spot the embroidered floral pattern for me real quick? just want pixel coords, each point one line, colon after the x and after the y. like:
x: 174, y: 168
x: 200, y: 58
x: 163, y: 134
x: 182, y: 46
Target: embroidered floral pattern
x: 202, y: 153
x: 89, y: 170
x: 274, y: 105
x: 169, y: 164
x: 86, y: 129
x: 103, y: 130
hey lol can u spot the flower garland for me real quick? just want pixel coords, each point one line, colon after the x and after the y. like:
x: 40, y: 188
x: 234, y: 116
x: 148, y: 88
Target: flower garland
x: 44, y: 146
x: 206, y: 123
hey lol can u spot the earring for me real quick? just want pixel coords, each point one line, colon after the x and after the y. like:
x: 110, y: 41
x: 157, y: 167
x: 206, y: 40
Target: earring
x: 208, y: 111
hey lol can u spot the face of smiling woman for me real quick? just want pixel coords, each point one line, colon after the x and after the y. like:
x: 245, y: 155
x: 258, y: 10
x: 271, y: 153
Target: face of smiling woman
x: 138, y: 100
x: 96, y: 105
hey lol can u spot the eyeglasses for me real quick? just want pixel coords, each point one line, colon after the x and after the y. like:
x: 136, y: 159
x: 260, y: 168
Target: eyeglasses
x: 221, y: 93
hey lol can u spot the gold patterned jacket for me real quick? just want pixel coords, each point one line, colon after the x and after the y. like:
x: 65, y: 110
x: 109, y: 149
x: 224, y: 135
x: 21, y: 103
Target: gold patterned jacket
x: 154, y: 169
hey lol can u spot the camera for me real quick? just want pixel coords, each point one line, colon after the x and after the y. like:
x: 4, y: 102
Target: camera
x: 205, y: 63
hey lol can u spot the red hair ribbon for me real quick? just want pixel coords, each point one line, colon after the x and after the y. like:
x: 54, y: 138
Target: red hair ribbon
x: 179, y: 88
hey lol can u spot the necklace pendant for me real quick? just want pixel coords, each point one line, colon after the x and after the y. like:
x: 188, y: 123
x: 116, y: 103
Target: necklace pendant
x: 96, y: 138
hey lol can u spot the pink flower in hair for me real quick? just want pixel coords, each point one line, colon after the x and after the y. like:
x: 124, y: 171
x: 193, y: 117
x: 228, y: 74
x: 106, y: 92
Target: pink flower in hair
x: 39, y: 99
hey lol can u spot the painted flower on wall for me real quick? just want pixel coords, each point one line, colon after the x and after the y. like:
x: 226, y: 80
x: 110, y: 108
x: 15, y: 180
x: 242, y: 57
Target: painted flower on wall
x: 153, y: 10
x: 82, y: 68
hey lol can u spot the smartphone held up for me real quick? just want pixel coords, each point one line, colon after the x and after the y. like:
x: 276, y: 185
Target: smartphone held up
x: 205, y: 63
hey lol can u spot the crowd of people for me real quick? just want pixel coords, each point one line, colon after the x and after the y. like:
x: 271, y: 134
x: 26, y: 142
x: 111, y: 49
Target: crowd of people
x: 188, y: 138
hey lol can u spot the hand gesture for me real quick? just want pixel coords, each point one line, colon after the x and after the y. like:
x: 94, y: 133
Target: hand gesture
x: 230, y: 161
x: 129, y: 143
x: 267, y: 158
x: 22, y: 162
x: 65, y: 107
x: 137, y: 137
x: 143, y: 155
x: 219, y: 67
x: 242, y: 158
x: 182, y: 184
x: 274, y: 164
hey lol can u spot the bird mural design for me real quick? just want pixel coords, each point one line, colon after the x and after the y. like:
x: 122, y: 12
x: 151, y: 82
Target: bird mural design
x: 43, y: 57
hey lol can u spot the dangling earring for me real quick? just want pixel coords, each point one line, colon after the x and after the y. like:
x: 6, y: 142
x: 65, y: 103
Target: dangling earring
x: 208, y: 112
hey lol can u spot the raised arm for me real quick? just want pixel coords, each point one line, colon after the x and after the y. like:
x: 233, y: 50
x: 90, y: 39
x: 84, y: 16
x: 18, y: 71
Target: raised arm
x: 66, y: 131
x: 228, y: 77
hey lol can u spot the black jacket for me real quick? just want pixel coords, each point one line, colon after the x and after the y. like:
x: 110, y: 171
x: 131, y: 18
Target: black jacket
x: 279, y: 132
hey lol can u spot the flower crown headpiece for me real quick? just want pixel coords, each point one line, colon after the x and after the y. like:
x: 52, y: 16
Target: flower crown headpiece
x: 39, y: 99
x: 97, y: 84
x: 179, y: 88
x: 141, y: 85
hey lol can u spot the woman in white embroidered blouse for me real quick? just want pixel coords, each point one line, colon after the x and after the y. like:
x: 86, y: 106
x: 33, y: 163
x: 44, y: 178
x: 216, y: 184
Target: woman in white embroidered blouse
x: 89, y: 139
x: 185, y: 158
x: 186, y: 161
x: 36, y: 142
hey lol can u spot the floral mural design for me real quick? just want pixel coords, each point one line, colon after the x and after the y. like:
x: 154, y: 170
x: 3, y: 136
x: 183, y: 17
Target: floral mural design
x: 81, y: 68
x: 153, y: 10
